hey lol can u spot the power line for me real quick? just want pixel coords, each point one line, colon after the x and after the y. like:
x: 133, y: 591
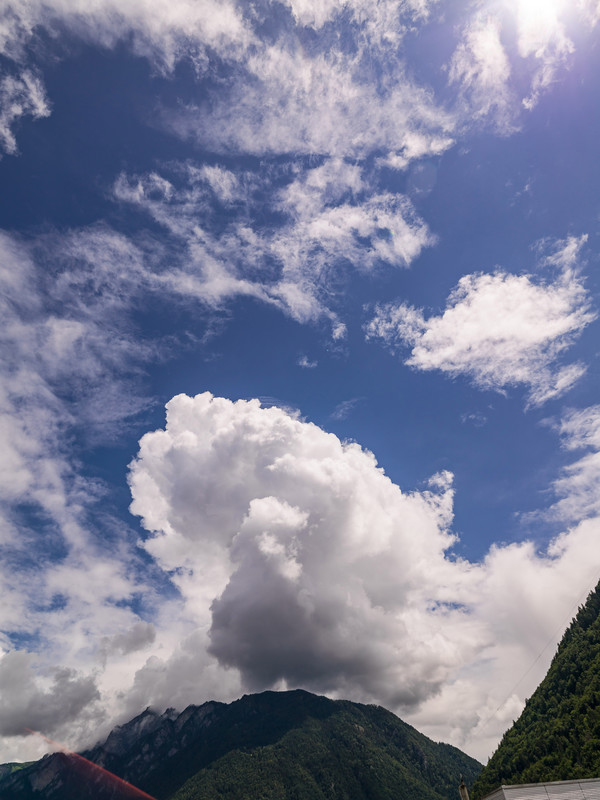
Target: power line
x: 552, y: 639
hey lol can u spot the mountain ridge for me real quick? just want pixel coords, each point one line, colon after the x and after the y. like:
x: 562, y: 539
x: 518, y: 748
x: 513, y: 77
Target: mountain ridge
x: 284, y: 744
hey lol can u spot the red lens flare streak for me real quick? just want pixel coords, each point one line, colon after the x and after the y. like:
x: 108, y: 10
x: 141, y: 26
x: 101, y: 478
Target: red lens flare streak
x: 105, y: 773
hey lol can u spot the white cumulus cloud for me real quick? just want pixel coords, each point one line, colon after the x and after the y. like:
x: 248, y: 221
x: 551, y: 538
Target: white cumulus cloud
x: 304, y: 559
x: 297, y: 562
x: 499, y: 329
x: 302, y: 564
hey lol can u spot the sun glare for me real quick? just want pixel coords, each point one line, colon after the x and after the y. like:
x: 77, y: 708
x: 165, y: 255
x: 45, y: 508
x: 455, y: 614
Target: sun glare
x: 540, y: 11
x: 542, y: 31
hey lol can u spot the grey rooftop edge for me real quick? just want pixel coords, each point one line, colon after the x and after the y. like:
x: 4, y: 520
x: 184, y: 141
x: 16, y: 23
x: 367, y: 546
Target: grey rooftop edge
x: 577, y: 789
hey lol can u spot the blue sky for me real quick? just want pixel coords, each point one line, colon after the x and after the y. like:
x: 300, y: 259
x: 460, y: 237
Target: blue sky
x: 353, y: 248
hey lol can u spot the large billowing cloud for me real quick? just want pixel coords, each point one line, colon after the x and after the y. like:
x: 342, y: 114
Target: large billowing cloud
x: 25, y: 703
x: 311, y: 564
x: 302, y: 564
x: 297, y: 562
x: 70, y: 368
x: 499, y: 329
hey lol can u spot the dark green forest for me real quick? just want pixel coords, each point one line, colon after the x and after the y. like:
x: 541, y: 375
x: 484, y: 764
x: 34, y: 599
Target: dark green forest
x: 354, y: 753
x: 557, y: 736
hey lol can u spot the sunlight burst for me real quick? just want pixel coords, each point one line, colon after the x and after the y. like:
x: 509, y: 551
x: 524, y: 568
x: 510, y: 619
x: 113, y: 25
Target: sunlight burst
x: 539, y: 12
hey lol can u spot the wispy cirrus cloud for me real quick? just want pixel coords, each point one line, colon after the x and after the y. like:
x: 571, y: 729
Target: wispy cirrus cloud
x: 577, y: 487
x: 67, y: 374
x: 284, y: 94
x: 294, y: 92
x: 286, y: 102
x: 383, y: 21
x: 345, y: 408
x: 542, y: 38
x: 481, y: 68
x: 509, y: 56
x: 21, y: 95
x: 322, y: 220
x: 165, y: 32
x: 305, y: 362
x: 498, y: 329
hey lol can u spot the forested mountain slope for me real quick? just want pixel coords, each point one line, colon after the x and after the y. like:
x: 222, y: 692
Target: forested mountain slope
x: 265, y: 747
x: 557, y: 736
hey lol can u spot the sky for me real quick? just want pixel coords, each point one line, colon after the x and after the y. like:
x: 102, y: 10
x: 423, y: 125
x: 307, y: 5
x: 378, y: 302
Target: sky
x: 299, y: 360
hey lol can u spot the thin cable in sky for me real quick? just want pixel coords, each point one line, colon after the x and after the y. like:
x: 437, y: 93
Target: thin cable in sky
x: 539, y: 655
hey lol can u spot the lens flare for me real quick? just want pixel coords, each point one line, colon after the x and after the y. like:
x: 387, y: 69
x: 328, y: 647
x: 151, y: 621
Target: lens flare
x: 540, y: 8
x: 106, y: 775
x: 543, y: 14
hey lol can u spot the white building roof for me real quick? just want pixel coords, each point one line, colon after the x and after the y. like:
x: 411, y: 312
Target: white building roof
x: 583, y: 789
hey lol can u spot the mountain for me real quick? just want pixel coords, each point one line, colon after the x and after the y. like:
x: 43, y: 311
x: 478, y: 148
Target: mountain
x: 557, y: 736
x: 268, y: 746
